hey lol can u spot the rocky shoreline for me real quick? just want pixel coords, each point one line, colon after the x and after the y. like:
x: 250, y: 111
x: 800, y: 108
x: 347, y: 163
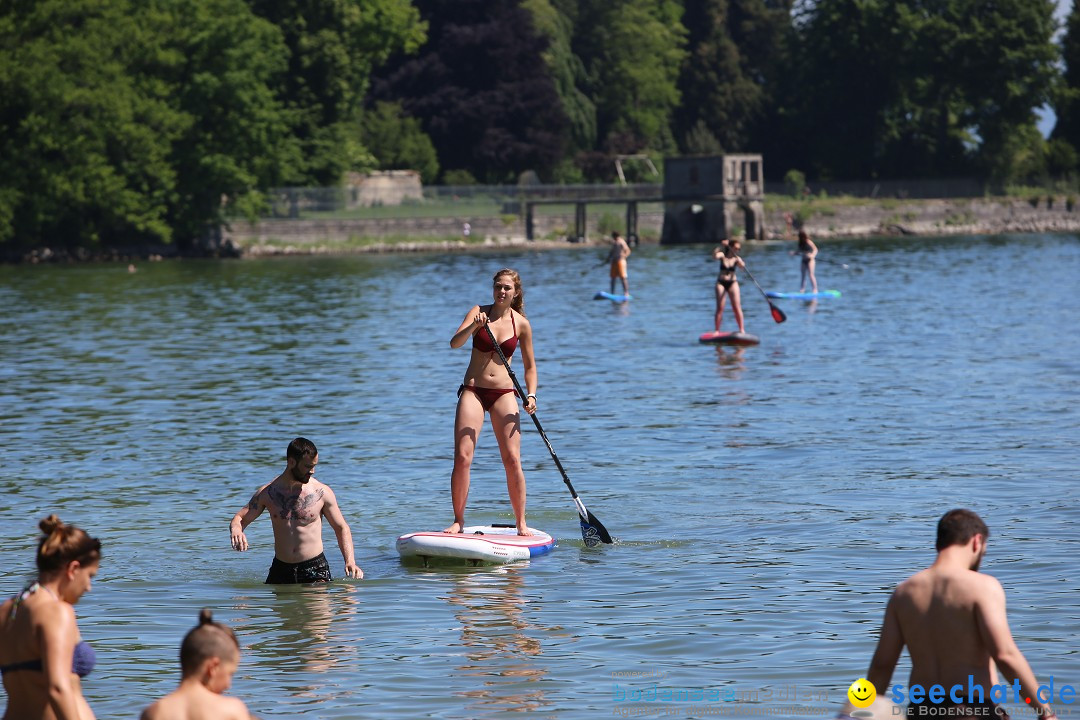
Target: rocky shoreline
x: 981, y: 216
x: 822, y: 217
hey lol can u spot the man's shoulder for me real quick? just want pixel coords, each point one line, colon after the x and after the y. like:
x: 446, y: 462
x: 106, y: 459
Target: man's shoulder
x: 231, y: 707
x: 261, y: 492
x: 319, y: 488
x: 931, y: 581
x: 265, y: 486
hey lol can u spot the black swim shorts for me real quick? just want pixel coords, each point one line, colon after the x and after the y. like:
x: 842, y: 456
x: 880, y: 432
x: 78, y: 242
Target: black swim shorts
x: 315, y: 570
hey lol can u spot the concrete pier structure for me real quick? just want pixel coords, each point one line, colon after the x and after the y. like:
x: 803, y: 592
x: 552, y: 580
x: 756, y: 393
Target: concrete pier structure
x: 707, y: 199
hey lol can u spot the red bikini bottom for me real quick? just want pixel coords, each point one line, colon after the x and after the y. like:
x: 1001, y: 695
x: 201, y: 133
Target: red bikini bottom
x: 487, y: 396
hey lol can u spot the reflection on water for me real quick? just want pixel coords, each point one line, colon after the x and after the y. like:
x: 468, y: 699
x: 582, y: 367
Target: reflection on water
x: 495, y: 632
x: 300, y: 635
x: 731, y: 361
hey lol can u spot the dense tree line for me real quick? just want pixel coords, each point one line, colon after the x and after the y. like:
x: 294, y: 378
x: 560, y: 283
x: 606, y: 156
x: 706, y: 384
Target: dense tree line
x: 135, y: 121
x: 145, y: 121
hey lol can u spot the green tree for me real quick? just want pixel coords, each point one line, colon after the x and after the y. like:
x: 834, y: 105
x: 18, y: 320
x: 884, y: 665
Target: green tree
x: 398, y: 142
x: 839, y: 85
x: 735, y: 52
x: 481, y: 89
x: 932, y: 88
x: 84, y: 143
x: 334, y: 47
x: 218, y: 61
x: 1067, y: 101
x: 632, y: 51
x: 127, y: 122
x: 567, y: 71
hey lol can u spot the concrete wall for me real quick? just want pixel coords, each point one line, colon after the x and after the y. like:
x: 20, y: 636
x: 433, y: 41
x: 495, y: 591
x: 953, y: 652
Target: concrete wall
x: 922, y: 217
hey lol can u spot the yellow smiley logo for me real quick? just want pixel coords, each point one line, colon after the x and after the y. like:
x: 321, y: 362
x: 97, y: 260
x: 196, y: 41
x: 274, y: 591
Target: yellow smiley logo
x: 862, y: 693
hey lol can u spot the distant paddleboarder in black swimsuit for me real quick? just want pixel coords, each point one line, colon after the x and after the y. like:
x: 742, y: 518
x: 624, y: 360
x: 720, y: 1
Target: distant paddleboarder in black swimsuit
x: 727, y: 283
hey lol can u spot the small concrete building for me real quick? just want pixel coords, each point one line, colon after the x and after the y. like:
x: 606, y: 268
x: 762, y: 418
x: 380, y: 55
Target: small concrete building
x: 387, y: 187
x: 707, y: 199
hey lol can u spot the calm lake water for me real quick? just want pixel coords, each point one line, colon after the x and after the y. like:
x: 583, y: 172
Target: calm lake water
x: 765, y: 500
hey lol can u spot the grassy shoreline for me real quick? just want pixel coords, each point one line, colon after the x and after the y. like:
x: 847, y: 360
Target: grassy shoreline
x: 824, y: 217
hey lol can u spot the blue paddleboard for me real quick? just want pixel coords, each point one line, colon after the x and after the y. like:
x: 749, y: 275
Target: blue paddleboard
x: 610, y: 296
x: 803, y: 296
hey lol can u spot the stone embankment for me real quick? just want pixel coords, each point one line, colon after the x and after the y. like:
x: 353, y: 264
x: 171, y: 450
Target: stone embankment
x: 982, y: 216
x: 823, y: 218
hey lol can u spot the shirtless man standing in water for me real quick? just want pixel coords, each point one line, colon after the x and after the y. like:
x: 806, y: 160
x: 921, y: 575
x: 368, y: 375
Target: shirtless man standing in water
x: 952, y: 619
x: 297, y: 503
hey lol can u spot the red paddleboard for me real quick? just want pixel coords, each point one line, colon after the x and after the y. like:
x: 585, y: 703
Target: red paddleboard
x: 729, y: 338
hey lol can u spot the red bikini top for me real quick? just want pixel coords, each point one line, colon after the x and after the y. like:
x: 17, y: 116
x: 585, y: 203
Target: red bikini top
x: 482, y: 341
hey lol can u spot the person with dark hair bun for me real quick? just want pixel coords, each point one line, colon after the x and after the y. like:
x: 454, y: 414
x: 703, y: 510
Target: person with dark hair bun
x: 43, y: 657
x: 209, y: 655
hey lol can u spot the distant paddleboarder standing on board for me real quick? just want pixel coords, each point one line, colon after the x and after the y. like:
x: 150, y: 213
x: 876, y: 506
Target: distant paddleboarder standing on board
x: 617, y: 259
x: 487, y: 388
x: 727, y: 284
x: 807, y: 251
x: 297, y: 503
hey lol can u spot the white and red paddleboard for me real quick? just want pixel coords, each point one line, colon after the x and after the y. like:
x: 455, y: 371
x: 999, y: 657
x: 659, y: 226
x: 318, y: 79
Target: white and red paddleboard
x: 476, y: 544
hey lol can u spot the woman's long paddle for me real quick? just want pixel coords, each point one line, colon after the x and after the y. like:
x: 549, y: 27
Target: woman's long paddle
x: 777, y: 314
x: 593, y: 531
x: 833, y: 262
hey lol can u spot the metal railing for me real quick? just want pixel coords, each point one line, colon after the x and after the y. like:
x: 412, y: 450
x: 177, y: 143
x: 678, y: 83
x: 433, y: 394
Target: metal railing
x: 342, y: 202
x: 494, y: 200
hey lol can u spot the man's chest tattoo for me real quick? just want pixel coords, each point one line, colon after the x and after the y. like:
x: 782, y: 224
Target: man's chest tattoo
x: 299, y: 508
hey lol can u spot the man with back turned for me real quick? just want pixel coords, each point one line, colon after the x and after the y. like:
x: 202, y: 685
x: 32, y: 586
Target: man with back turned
x: 297, y: 503
x: 952, y: 619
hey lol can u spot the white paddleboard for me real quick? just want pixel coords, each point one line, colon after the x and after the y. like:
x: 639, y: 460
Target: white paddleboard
x: 477, y: 544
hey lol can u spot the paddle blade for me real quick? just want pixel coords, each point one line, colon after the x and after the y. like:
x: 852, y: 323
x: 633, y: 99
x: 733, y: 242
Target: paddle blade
x: 777, y: 314
x: 593, y: 531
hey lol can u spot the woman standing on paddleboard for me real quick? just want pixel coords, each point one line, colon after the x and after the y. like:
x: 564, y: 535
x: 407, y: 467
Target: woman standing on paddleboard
x: 807, y: 251
x: 727, y: 284
x: 487, y: 388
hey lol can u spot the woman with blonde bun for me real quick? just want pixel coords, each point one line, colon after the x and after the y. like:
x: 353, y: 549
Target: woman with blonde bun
x: 43, y: 658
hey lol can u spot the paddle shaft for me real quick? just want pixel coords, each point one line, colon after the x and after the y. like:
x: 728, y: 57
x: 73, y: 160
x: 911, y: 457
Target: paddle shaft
x: 536, y: 420
x: 777, y: 313
x: 590, y: 525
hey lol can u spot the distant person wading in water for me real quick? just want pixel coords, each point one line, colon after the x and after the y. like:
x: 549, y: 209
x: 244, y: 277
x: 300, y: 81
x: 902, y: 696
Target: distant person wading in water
x: 297, y: 504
